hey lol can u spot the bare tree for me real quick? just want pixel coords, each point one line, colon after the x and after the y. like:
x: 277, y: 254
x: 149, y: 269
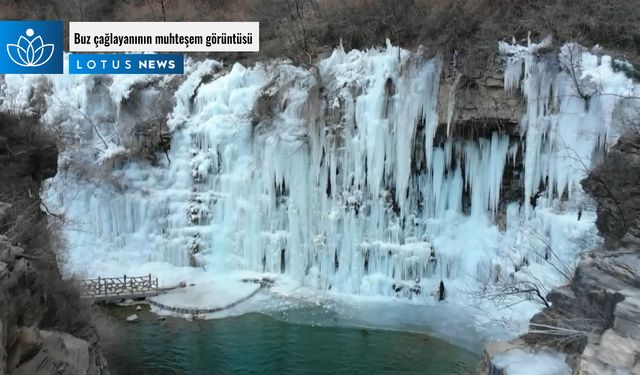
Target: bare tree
x: 560, y: 330
x: 573, y: 154
x: 298, y: 34
x: 507, y: 288
x: 86, y: 117
x: 545, y: 251
x: 511, y: 290
x: 570, y: 60
x: 163, y: 9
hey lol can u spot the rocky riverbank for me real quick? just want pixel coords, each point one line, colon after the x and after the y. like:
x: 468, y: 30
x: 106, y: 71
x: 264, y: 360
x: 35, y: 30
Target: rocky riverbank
x: 595, y: 319
x: 44, y: 326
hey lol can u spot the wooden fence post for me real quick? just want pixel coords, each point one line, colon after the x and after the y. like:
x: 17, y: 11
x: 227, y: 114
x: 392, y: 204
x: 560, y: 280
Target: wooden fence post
x: 117, y: 286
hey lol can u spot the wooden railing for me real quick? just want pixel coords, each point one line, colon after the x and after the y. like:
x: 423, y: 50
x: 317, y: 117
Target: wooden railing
x: 120, y: 287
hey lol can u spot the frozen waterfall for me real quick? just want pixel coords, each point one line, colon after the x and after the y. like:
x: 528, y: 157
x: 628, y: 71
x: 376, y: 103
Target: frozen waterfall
x: 338, y: 177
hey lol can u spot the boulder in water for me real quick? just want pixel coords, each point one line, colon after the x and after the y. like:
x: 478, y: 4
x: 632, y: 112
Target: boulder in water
x: 132, y: 318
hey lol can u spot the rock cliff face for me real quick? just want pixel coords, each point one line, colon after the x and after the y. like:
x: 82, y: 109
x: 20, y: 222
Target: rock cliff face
x: 478, y: 102
x: 614, y: 185
x: 596, y: 318
x: 40, y: 314
x: 611, y: 276
x: 474, y: 106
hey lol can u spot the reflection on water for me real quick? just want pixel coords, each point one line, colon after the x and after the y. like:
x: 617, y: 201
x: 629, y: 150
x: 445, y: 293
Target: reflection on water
x: 260, y: 344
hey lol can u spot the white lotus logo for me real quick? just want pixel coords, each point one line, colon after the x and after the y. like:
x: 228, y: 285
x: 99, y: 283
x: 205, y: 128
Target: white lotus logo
x: 30, y: 52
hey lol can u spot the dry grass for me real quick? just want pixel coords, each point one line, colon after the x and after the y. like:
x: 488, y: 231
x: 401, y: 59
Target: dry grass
x: 473, y: 26
x: 298, y: 28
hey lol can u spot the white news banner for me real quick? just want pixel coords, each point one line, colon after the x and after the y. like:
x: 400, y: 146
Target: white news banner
x: 164, y: 36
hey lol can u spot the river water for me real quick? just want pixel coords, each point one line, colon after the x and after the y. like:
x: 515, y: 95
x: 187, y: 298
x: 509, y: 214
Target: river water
x: 267, y: 344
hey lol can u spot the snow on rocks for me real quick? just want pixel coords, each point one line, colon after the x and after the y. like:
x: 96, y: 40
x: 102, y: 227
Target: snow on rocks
x: 132, y: 318
x: 521, y: 362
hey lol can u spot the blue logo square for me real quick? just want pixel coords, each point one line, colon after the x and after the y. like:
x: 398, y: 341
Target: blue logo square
x: 31, y: 47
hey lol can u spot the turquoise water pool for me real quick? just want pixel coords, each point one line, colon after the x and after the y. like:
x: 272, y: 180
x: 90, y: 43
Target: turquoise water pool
x: 263, y: 344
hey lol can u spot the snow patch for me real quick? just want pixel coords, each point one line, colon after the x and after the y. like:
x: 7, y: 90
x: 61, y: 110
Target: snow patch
x: 520, y: 362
